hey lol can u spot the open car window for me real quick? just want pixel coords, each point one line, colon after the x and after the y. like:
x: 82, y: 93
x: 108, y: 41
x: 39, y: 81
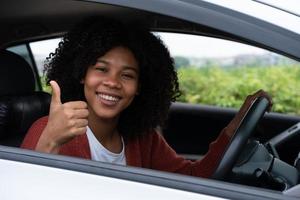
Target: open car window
x: 222, y: 73
x: 216, y: 72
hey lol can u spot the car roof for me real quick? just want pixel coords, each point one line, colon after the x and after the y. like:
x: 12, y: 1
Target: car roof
x: 37, y: 18
x: 33, y: 19
x: 284, y: 13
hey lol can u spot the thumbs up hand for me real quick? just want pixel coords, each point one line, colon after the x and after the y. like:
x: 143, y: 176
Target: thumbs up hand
x: 66, y: 120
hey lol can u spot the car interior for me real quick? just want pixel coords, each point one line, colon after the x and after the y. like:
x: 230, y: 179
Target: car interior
x: 20, y: 104
x: 190, y: 128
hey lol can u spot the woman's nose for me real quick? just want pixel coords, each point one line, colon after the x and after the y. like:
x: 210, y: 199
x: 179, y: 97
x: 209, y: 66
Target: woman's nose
x: 112, y: 81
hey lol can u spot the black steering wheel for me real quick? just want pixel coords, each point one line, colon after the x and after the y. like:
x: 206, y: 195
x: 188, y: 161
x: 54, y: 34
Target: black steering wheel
x: 240, y: 137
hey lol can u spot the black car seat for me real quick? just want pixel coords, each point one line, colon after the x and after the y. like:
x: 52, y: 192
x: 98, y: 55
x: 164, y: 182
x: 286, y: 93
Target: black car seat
x: 20, y: 104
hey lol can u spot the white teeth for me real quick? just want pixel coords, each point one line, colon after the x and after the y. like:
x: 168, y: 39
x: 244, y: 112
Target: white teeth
x: 108, y: 97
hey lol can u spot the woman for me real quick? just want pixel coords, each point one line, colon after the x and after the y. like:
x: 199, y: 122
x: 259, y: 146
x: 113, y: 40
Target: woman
x: 112, y: 86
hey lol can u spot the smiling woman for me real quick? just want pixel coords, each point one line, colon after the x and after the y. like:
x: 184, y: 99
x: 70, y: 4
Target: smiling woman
x: 109, y: 98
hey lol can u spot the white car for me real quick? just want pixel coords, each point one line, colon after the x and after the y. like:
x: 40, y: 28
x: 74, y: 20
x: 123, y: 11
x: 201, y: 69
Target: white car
x: 268, y: 169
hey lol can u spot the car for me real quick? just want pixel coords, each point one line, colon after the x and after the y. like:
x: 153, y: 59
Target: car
x: 265, y: 167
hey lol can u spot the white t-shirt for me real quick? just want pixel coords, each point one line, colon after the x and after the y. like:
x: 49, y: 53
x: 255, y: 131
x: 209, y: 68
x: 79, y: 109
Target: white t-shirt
x: 100, y: 153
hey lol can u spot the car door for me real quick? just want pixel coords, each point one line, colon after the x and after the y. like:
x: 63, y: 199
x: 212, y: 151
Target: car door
x: 32, y: 175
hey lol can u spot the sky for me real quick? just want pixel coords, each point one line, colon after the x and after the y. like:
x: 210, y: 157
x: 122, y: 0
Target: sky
x: 44, y: 47
x: 203, y: 47
x: 178, y: 45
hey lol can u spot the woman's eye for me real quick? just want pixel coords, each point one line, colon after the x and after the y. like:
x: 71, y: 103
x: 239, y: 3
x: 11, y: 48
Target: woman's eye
x: 101, y: 69
x: 128, y: 76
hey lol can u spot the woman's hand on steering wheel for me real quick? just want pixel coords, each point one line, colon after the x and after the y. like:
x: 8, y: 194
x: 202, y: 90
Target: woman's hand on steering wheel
x: 232, y: 126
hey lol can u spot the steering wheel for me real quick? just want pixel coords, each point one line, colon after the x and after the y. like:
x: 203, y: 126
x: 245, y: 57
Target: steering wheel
x: 240, y: 137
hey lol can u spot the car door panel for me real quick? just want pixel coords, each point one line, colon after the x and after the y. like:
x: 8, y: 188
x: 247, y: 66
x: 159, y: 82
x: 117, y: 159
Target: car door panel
x: 191, y: 128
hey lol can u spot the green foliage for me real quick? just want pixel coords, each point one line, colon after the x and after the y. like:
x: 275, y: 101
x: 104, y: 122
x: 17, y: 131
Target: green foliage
x: 228, y: 87
x: 45, y: 87
x: 181, y: 61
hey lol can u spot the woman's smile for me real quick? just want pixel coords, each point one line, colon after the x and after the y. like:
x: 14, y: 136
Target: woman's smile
x: 107, y: 99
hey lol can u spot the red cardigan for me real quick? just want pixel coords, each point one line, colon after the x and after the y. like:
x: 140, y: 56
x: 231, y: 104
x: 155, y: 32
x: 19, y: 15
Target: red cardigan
x: 148, y: 151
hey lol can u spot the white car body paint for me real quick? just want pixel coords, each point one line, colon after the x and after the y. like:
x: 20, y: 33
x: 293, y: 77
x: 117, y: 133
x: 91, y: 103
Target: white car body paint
x: 52, y: 184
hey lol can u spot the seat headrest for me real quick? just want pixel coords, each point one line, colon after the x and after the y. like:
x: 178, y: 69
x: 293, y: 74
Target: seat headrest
x: 13, y: 65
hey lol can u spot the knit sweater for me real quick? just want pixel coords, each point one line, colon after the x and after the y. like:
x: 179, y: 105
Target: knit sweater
x: 147, y: 151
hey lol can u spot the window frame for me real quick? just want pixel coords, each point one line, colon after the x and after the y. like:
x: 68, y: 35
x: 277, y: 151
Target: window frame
x: 140, y: 175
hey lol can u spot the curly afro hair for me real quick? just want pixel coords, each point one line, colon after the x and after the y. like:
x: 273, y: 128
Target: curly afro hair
x: 91, y: 39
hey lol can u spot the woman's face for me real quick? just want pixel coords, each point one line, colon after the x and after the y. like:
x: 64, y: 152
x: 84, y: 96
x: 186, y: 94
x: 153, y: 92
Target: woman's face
x: 112, y: 83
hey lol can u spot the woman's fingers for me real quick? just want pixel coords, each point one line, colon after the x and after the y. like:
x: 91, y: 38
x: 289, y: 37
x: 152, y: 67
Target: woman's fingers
x: 81, y: 113
x: 231, y: 127
x: 75, y: 105
x: 79, y: 123
x: 262, y: 93
x: 80, y: 131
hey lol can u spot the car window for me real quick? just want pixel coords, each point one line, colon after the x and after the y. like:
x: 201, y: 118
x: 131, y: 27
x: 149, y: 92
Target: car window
x: 41, y: 50
x: 24, y: 51
x: 222, y: 73
x: 218, y: 72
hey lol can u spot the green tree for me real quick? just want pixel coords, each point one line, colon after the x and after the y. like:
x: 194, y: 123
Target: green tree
x: 181, y: 62
x: 228, y: 87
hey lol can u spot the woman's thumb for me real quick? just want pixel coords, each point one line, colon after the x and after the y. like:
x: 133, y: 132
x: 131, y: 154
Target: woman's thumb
x: 55, y: 93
